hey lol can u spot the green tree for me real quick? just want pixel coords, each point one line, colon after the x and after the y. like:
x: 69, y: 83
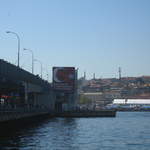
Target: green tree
x: 84, y: 100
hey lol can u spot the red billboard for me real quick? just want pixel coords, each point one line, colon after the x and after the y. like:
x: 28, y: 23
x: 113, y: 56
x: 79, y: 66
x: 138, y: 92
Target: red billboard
x: 64, y: 78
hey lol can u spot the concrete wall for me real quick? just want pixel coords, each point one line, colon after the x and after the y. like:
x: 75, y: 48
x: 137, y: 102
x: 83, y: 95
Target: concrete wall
x: 33, y: 88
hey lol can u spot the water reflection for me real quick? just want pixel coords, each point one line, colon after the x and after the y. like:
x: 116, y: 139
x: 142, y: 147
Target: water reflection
x: 12, y: 138
x: 126, y: 131
x: 66, y: 134
x: 48, y: 133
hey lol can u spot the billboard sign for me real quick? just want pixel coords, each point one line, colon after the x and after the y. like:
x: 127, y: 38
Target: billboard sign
x: 64, y: 78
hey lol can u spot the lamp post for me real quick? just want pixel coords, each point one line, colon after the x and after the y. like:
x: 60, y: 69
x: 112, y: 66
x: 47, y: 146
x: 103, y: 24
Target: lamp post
x: 47, y: 74
x: 18, y: 45
x: 32, y: 58
x: 40, y: 64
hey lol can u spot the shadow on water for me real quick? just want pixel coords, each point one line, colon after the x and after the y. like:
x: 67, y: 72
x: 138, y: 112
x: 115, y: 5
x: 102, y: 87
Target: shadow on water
x: 11, y: 133
x: 18, y: 136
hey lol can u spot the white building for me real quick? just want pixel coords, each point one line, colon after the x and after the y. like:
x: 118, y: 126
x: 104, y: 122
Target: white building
x: 132, y: 101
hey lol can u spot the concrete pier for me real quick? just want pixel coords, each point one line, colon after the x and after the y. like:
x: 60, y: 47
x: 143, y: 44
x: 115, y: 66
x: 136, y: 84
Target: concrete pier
x: 16, y: 115
x: 99, y: 113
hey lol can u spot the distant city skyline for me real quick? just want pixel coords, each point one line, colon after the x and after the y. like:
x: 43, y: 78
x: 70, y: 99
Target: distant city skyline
x: 95, y: 36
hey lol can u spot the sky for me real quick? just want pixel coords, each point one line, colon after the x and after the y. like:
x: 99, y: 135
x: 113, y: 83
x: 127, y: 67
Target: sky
x: 96, y: 36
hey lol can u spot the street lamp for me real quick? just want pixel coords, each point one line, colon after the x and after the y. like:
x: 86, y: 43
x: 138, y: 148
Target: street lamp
x: 18, y: 44
x: 32, y: 58
x: 40, y: 64
x: 47, y: 74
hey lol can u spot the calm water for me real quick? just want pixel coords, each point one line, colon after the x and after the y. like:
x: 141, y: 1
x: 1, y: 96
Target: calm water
x: 128, y: 131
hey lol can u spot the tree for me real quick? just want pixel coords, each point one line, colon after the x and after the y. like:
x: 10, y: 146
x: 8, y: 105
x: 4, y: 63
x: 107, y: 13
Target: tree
x: 84, y: 100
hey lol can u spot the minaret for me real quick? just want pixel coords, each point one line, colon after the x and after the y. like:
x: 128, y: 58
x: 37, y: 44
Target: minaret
x: 119, y: 73
x: 84, y: 75
x: 94, y: 76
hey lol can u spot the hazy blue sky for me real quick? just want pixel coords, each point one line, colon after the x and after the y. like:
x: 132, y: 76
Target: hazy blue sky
x: 96, y: 36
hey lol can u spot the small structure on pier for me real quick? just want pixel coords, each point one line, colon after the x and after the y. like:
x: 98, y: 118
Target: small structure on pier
x: 65, y: 88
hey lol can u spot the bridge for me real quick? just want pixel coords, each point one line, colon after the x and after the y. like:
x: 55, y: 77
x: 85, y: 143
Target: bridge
x: 23, y: 93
